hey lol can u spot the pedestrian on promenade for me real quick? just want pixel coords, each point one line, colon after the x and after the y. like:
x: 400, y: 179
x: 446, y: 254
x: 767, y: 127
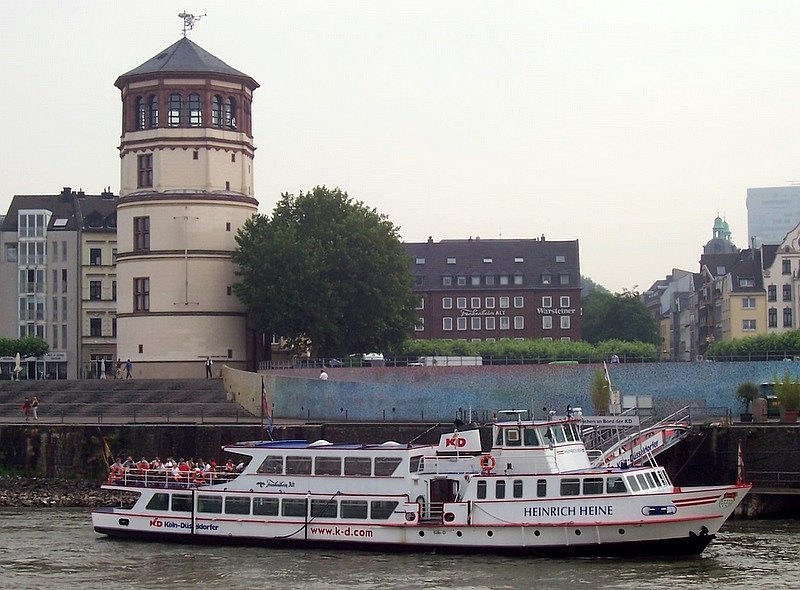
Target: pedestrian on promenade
x: 323, y: 375
x: 26, y: 409
x: 209, y: 364
x: 118, y: 369
x: 35, y: 407
x: 128, y: 369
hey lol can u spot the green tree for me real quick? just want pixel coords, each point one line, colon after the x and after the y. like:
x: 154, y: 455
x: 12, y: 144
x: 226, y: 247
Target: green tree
x: 601, y: 392
x: 27, y: 347
x: 327, y: 270
x: 620, y: 316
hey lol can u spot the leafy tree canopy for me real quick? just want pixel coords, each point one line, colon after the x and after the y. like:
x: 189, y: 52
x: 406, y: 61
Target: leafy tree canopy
x: 589, y: 286
x: 328, y: 270
x: 620, y: 316
x: 26, y: 347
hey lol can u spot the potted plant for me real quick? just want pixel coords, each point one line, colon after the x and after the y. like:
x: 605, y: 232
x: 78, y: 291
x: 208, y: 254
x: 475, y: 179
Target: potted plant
x: 601, y: 392
x: 787, y: 390
x: 746, y: 393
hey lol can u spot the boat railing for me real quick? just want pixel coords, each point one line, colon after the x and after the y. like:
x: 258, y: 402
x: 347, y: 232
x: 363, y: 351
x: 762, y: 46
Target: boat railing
x: 163, y: 478
x: 433, y: 512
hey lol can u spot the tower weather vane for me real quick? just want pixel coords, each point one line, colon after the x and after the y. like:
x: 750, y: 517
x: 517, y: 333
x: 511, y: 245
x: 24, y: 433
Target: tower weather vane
x: 189, y: 20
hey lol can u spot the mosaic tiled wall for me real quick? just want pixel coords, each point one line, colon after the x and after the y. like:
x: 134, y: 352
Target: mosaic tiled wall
x: 441, y: 393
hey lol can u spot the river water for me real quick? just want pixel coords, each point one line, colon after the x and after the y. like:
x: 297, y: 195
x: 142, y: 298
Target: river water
x: 58, y: 549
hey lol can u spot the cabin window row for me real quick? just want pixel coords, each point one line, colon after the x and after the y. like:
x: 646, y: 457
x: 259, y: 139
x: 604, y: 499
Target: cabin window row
x: 535, y: 437
x: 260, y: 506
x: 648, y: 480
x: 588, y: 486
x: 303, y: 465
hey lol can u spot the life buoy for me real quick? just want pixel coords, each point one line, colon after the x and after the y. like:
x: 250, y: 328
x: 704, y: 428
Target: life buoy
x: 488, y: 462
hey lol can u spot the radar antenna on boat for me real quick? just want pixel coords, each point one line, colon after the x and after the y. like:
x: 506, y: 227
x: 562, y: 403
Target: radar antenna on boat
x: 518, y: 413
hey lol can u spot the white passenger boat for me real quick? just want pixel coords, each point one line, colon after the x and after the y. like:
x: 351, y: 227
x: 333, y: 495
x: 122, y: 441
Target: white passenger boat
x: 534, y: 492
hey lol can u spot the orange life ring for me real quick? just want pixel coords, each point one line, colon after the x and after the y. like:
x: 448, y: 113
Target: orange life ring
x: 488, y: 462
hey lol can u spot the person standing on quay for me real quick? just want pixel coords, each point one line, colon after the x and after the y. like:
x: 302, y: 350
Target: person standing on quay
x: 26, y: 409
x: 323, y: 375
x: 128, y: 369
x: 35, y: 407
x: 209, y: 364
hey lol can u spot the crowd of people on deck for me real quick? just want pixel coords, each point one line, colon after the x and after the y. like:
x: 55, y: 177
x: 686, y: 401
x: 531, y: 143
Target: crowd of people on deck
x: 170, y: 471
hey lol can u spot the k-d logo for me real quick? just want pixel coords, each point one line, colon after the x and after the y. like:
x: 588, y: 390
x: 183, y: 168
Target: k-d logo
x: 456, y: 441
x: 156, y: 522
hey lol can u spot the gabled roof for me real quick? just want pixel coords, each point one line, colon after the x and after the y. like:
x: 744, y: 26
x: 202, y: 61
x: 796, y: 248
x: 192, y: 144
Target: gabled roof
x: 768, y: 252
x: 184, y: 56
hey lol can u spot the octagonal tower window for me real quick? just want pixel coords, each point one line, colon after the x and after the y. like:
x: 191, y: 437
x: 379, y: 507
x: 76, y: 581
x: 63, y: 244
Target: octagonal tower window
x: 175, y: 103
x: 152, y: 111
x: 195, y: 110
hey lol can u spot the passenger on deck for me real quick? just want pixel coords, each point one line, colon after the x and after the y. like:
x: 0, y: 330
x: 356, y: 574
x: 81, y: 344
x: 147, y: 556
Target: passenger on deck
x: 143, y: 465
x: 129, y: 463
x: 229, y: 466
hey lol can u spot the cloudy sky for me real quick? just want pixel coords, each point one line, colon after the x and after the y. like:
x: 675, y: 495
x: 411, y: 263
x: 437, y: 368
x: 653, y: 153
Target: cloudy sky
x: 625, y: 125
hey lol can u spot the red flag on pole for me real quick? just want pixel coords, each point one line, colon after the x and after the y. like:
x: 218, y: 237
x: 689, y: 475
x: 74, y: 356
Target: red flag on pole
x: 740, y: 475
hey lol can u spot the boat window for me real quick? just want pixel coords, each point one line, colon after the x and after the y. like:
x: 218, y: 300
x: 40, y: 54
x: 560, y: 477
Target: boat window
x: 293, y: 507
x: 158, y: 502
x: 548, y: 434
x: 642, y: 481
x: 482, y: 489
x: 512, y: 437
x: 592, y: 486
x: 664, y: 477
x: 559, y: 432
x: 632, y: 483
x: 386, y: 465
x: 237, y: 505
x: 541, y: 488
x: 570, y: 487
x: 323, y: 508
x: 181, y: 503
x: 357, y: 466
x: 354, y: 509
x: 500, y: 489
x: 416, y: 463
x: 210, y: 504
x: 328, y: 466
x: 650, y: 480
x: 382, y: 509
x: 517, y: 488
x: 272, y: 464
x: 615, y: 485
x: 531, y: 440
x: 499, y: 441
x: 298, y: 465
x: 265, y: 506
x: 568, y: 431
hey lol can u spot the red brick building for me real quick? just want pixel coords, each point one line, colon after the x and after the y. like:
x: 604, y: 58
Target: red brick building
x: 487, y: 290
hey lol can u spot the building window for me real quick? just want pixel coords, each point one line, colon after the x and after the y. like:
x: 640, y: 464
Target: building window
x: 565, y: 322
x: 504, y: 279
x: 787, y: 292
x: 451, y: 261
x: 461, y: 323
x: 560, y: 258
x: 420, y: 325
x: 63, y: 251
x: 489, y: 323
x: 564, y: 301
x: 95, y: 327
x: 517, y: 279
x: 749, y: 325
x: 475, y: 302
x: 113, y: 290
x: 504, y: 323
x: 195, y: 155
x: 519, y: 302
x: 772, y: 317
x: 141, y: 234
x: 772, y: 293
x: 141, y: 112
x: 563, y: 278
x: 749, y: 303
x: 786, y: 266
x: 216, y: 111
x: 547, y: 301
x: 503, y: 302
x: 95, y: 290
x: 145, y: 171
x: 488, y: 280
x: 141, y: 294
x: 489, y: 303
x: 421, y: 303
x: 518, y: 259
x: 447, y: 281
x: 63, y: 280
x: 461, y: 302
x: 447, y: 324
x: 152, y: 111
x: 519, y: 322
x: 546, y: 278
x: 447, y: 303
x: 114, y: 327
x: 461, y: 281
x: 487, y: 260
x: 95, y: 256
x: 547, y: 322
x: 419, y: 261
x: 475, y: 280
x: 11, y: 252
x: 475, y: 323
x: 174, y: 116
x: 230, y: 113
x: 747, y: 282
x: 787, y: 318
x: 195, y: 110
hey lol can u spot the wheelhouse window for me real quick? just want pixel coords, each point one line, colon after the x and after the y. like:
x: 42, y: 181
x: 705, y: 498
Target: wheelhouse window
x: 144, y: 171
x: 195, y: 110
x: 175, y: 105
x: 141, y: 234
x: 141, y: 294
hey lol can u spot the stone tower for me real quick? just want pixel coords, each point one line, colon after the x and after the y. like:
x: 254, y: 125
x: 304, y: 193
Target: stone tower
x: 186, y: 158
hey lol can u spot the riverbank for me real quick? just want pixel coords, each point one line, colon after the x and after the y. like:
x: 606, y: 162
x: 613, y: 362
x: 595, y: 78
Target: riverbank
x: 30, y: 492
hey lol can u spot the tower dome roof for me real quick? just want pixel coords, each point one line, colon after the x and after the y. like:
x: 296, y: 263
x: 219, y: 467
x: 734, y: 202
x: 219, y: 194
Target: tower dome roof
x: 719, y: 223
x: 182, y: 57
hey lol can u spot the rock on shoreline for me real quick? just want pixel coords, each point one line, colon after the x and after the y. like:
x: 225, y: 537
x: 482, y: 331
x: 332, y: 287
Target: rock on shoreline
x: 64, y: 493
